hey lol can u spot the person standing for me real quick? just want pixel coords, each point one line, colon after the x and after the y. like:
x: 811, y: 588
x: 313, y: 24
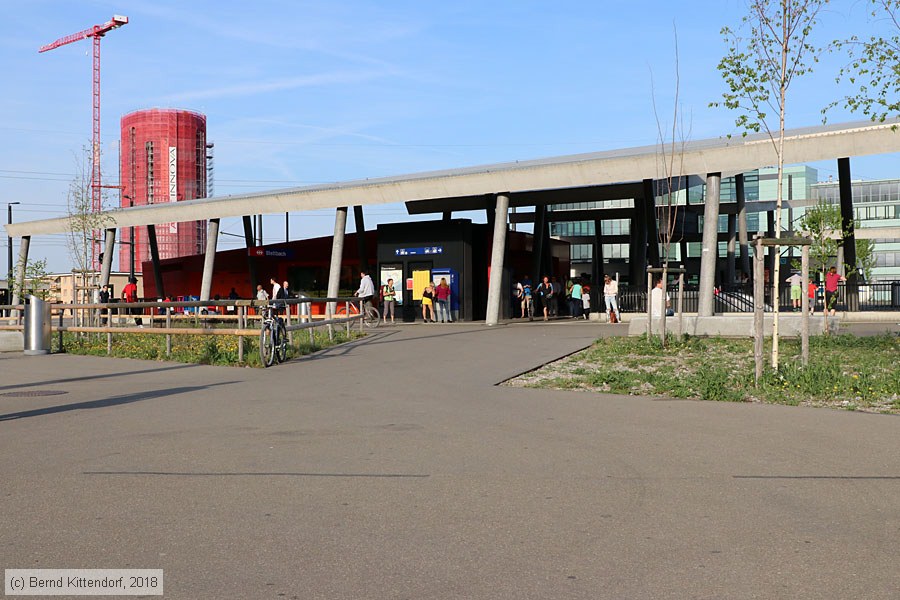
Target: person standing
x: 660, y: 301
x: 129, y: 294
x: 442, y: 295
x: 104, y: 299
x: 389, y: 297
x: 832, y: 278
x: 576, y: 304
x: 261, y: 294
x: 812, y: 289
x: 428, y: 302
x: 610, y: 298
x: 796, y: 282
x: 556, y: 286
x: 545, y: 293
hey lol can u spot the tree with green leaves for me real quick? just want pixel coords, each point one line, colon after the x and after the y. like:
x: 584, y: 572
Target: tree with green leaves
x: 874, y: 65
x: 766, y: 54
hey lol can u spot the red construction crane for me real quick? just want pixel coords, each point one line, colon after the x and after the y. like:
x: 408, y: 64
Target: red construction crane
x: 97, y: 32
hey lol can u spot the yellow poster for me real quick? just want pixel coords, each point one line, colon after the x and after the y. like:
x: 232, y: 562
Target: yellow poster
x: 420, y: 280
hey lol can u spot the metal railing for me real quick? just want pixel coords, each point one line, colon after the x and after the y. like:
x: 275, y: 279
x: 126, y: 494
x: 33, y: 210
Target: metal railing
x: 187, y: 318
x: 875, y: 296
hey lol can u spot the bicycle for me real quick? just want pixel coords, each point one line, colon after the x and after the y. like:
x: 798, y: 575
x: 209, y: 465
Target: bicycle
x: 272, y: 338
x: 372, y: 317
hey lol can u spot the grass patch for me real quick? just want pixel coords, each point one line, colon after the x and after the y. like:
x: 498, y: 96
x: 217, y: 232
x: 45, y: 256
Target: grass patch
x: 197, y: 349
x: 845, y: 371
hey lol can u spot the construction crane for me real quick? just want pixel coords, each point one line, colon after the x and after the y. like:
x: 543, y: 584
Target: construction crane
x: 96, y: 32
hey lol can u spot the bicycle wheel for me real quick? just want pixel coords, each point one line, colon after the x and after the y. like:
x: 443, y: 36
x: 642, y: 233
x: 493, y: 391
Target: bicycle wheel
x: 267, y: 345
x: 281, y: 342
x: 373, y: 317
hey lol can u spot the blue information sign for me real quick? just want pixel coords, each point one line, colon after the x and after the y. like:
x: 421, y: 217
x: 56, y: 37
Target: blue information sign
x: 419, y: 251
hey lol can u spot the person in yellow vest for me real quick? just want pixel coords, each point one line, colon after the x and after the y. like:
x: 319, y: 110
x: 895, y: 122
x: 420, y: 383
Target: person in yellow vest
x: 389, y: 297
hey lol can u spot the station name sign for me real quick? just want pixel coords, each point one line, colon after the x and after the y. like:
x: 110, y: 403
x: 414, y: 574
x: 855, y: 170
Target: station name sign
x: 419, y: 251
x: 271, y: 252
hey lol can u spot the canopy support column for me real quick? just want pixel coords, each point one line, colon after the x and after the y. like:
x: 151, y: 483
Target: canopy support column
x: 209, y: 259
x: 498, y: 254
x: 709, y: 254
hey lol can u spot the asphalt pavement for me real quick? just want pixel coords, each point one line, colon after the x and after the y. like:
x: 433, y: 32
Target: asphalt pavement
x: 396, y: 467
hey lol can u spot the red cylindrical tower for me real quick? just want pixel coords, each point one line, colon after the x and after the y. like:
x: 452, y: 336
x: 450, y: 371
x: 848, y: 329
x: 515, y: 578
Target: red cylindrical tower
x: 163, y: 159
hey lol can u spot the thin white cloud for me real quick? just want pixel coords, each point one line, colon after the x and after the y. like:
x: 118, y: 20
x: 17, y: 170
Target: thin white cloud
x: 250, y: 88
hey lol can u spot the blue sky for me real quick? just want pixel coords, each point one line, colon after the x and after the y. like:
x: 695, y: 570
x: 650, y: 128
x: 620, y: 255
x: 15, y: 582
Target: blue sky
x: 298, y: 93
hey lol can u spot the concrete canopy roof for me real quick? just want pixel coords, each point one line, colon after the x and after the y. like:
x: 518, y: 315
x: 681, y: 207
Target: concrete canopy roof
x: 722, y: 155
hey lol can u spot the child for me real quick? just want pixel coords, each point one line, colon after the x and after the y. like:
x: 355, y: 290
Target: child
x: 812, y: 290
x: 586, y: 303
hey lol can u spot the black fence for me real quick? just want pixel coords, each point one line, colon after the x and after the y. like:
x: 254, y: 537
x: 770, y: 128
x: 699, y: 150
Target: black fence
x: 881, y: 295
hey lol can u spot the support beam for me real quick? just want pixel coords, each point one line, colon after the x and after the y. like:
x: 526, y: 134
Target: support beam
x: 19, y: 287
x: 597, y: 255
x: 108, y: 249
x: 498, y: 254
x: 537, y: 247
x: 337, y: 254
x: 637, y: 252
x: 154, y: 259
x: 742, y: 223
x: 650, y: 218
x: 846, y: 191
x: 710, y: 251
x: 360, y: 225
x: 250, y: 242
x: 209, y: 259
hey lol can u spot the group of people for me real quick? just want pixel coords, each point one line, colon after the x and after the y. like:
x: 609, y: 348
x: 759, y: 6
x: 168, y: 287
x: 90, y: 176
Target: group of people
x: 832, y: 279
x: 434, y: 298
x: 548, y: 296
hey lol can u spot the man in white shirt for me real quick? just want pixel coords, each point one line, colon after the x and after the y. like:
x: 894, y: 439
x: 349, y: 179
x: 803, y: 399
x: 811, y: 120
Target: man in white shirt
x: 366, y: 289
x: 656, y: 301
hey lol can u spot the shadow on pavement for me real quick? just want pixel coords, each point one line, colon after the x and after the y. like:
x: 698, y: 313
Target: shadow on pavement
x: 91, y: 377
x: 106, y: 402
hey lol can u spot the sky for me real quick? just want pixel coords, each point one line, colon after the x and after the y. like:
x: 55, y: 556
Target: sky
x: 300, y: 92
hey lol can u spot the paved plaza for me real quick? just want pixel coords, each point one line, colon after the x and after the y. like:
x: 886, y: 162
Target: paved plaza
x: 395, y: 467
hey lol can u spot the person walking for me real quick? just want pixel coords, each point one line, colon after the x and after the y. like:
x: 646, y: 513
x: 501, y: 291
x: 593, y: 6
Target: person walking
x: 129, y: 294
x: 428, y: 302
x: 525, y: 299
x: 585, y: 302
x: 610, y: 298
x: 545, y: 293
x: 442, y: 295
x: 389, y: 297
x: 660, y: 301
x: 812, y: 289
x: 104, y: 299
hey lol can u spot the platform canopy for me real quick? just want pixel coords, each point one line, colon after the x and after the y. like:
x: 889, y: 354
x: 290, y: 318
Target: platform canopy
x: 462, y: 189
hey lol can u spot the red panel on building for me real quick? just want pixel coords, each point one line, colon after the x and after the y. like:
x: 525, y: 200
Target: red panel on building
x: 163, y: 159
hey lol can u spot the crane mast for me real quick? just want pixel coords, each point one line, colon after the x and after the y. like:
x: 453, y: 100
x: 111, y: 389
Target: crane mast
x: 96, y: 32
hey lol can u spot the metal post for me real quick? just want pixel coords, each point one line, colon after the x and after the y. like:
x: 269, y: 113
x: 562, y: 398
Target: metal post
x: 9, y: 246
x: 240, y: 313
x: 498, y: 255
x: 804, y: 305
x: 169, y: 336
x: 209, y: 259
x: 649, y: 307
x: 709, y: 255
x: 681, y: 305
x: 759, y: 303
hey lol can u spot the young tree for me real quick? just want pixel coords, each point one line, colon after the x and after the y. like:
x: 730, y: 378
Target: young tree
x: 670, y: 166
x: 874, y: 66
x: 83, y: 222
x: 759, y: 69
